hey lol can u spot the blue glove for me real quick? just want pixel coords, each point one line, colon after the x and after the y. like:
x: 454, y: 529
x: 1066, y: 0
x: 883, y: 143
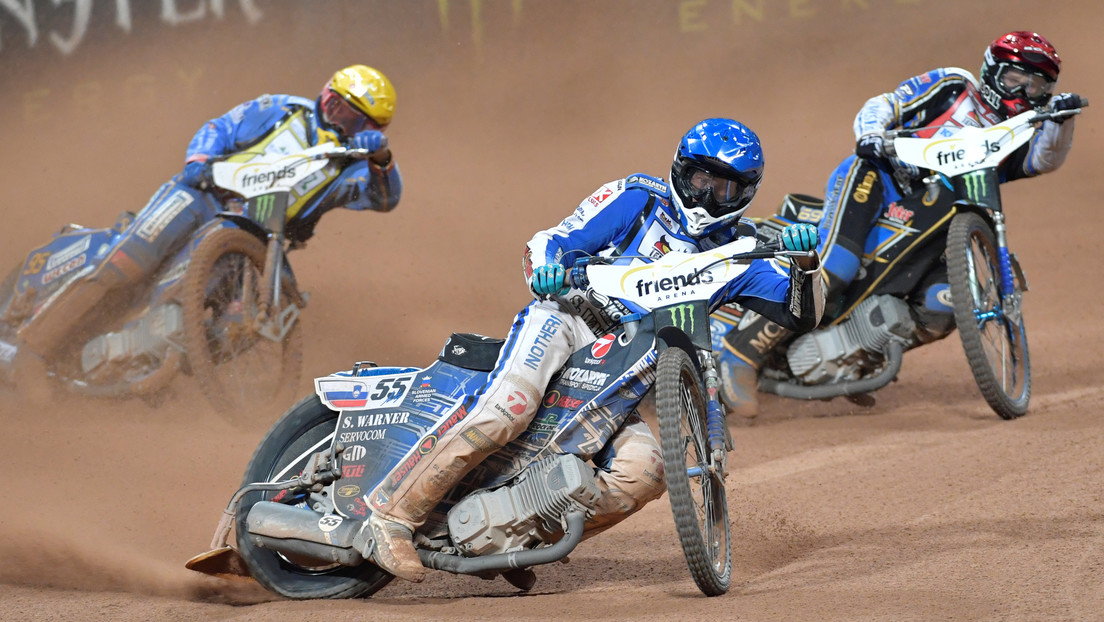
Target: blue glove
x: 369, y: 140
x: 870, y: 147
x: 195, y: 174
x: 1064, y: 101
x: 800, y: 237
x: 549, y: 280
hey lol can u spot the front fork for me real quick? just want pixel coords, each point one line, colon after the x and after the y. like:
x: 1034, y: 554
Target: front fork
x: 1010, y: 297
x: 274, y: 322
x: 720, y: 440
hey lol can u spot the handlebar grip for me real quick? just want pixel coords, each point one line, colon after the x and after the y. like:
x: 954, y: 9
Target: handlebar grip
x: 1084, y: 102
x: 577, y: 276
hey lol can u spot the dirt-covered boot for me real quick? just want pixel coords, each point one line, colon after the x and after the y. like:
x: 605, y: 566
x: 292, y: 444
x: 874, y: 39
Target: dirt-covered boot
x: 394, y: 551
x: 739, y: 384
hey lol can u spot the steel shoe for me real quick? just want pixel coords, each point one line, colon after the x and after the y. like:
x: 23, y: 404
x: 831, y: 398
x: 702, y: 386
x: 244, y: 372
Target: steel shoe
x: 394, y: 550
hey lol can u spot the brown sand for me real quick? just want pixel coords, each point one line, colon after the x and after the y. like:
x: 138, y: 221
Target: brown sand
x: 926, y: 506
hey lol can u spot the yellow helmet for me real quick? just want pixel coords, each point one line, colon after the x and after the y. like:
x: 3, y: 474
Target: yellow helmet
x: 363, y: 88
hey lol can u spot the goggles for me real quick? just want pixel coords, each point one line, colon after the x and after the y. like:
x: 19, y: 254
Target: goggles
x: 341, y: 113
x: 727, y: 194
x: 1015, y: 80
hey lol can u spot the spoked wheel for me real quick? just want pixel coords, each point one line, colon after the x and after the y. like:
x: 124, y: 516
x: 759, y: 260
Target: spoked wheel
x: 237, y: 366
x: 991, y: 325
x: 694, y: 484
x: 306, y: 428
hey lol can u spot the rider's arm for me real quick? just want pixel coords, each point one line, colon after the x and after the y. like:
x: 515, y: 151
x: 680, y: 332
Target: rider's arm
x: 241, y: 126
x: 601, y: 220
x: 914, y: 103
x: 365, y: 185
x: 794, y: 301
x: 1046, y: 151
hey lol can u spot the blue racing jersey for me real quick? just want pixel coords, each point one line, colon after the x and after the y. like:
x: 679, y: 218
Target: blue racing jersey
x: 633, y: 220
x: 287, y: 124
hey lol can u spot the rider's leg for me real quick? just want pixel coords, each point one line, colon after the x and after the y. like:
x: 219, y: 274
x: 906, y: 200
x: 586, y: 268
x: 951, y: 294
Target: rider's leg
x: 630, y: 474
x: 540, y: 342
x: 745, y: 349
x: 158, y: 230
x: 930, y: 307
x: 855, y: 194
x: 857, y: 191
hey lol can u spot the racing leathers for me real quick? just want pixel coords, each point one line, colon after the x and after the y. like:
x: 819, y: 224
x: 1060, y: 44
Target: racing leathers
x: 633, y: 221
x: 860, y: 190
x: 270, y: 124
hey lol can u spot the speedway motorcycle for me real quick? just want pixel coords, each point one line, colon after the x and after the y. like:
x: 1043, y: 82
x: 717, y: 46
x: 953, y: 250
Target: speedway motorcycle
x: 959, y: 220
x: 223, y: 308
x: 300, y: 515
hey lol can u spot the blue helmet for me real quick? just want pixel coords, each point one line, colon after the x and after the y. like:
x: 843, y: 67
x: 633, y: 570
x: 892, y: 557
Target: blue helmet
x: 717, y: 170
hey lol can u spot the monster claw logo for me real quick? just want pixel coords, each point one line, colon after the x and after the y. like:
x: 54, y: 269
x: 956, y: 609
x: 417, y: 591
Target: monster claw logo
x: 263, y: 207
x: 681, y: 315
x: 975, y: 186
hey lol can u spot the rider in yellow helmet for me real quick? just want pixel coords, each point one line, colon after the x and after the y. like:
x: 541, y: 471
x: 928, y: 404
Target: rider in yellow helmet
x: 353, y: 108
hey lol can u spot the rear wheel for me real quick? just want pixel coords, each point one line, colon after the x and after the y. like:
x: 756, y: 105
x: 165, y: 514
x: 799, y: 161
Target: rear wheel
x: 237, y: 367
x: 695, y: 485
x: 991, y: 325
x: 306, y: 428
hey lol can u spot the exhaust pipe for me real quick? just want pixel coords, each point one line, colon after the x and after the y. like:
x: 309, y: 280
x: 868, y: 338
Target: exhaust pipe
x: 894, y: 355
x: 506, y: 561
x: 299, y: 531
x: 333, y: 539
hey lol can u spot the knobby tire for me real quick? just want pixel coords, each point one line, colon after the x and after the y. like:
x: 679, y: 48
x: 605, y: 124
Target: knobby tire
x: 702, y: 526
x: 307, y: 427
x: 211, y: 276
x: 996, y: 349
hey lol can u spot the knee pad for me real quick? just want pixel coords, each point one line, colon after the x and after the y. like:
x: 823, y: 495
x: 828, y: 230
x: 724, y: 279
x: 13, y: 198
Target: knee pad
x: 636, y: 471
x: 935, y: 317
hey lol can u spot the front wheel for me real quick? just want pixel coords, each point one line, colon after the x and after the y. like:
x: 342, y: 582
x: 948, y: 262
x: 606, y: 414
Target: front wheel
x: 695, y: 485
x: 990, y: 324
x: 238, y: 368
x: 306, y: 428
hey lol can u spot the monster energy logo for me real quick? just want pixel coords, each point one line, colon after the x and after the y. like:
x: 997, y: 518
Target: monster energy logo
x: 262, y: 208
x: 974, y: 183
x: 681, y: 315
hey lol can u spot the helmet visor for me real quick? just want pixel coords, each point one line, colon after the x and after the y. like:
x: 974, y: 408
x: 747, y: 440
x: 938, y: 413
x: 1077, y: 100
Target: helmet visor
x: 718, y: 195
x: 1035, y: 87
x: 343, y: 115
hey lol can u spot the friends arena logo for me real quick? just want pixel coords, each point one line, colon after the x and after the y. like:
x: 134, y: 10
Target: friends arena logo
x: 672, y: 284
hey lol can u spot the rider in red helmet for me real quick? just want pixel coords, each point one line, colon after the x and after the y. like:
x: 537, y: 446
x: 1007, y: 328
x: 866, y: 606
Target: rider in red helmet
x: 1018, y: 73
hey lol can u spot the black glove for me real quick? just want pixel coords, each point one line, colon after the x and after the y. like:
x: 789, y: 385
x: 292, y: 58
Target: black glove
x: 1064, y: 101
x: 870, y: 147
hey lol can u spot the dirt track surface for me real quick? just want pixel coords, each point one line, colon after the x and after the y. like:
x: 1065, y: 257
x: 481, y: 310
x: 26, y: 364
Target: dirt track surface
x: 926, y: 506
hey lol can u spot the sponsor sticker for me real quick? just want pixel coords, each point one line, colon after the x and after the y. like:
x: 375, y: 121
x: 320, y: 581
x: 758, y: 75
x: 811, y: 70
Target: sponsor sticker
x: 153, y: 225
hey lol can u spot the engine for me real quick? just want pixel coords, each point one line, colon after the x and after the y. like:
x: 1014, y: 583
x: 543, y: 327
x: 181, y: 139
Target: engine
x: 149, y: 336
x: 516, y: 516
x: 851, y: 349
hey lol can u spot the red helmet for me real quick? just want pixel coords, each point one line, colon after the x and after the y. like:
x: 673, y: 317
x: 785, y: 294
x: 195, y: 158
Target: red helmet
x: 1020, y: 68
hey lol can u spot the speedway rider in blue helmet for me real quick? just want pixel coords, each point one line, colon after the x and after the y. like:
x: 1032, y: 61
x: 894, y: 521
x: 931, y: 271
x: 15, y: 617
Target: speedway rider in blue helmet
x: 1018, y: 73
x: 716, y: 171
x: 354, y: 107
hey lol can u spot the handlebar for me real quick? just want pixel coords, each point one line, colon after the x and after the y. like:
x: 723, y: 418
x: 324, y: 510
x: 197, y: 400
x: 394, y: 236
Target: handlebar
x: 578, y: 279
x: 1040, y: 116
x: 336, y: 152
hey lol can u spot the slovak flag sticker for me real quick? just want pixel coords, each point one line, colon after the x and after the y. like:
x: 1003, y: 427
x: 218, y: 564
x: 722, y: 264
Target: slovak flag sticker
x: 343, y: 393
x: 602, y: 346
